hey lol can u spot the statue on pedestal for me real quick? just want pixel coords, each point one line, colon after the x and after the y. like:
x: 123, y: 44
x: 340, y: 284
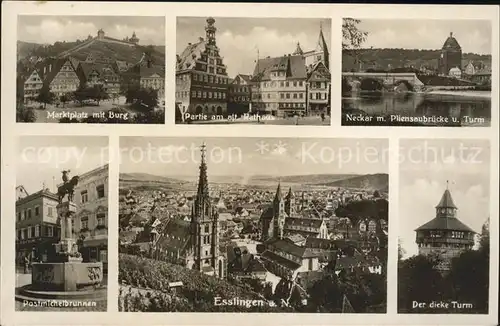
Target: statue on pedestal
x: 68, y: 186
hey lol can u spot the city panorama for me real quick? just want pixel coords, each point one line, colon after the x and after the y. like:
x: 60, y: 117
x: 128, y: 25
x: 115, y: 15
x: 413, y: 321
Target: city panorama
x: 244, y: 225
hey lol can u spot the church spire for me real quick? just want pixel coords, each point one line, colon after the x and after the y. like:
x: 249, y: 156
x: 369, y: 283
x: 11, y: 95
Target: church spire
x: 298, y: 50
x: 203, y: 180
x: 277, y: 196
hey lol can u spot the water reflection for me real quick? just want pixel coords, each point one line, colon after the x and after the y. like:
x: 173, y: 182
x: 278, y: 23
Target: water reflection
x: 396, y: 108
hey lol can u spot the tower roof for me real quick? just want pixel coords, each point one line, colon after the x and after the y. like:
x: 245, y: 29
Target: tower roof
x: 440, y: 223
x: 203, y: 180
x: 446, y: 201
x: 298, y: 50
x: 278, y: 196
x: 321, y: 40
x: 451, y: 43
x: 290, y: 193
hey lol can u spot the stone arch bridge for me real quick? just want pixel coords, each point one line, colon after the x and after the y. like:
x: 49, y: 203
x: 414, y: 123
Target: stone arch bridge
x: 384, y: 80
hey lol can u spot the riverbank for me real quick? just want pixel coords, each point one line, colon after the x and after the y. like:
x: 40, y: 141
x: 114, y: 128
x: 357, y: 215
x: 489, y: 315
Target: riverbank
x: 481, y: 94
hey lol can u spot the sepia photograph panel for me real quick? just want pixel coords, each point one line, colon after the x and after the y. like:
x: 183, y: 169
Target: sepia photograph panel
x: 253, y: 225
x: 91, y: 69
x: 416, y: 72
x: 444, y: 241
x: 61, y: 223
x: 253, y: 70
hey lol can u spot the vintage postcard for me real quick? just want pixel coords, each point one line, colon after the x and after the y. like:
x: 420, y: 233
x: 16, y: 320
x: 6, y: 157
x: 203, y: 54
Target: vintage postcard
x: 91, y: 69
x: 253, y: 70
x: 399, y: 72
x: 444, y: 238
x: 249, y: 164
x: 61, y: 224
x: 247, y: 218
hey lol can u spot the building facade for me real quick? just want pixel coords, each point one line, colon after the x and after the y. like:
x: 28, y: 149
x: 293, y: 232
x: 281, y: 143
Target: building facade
x: 37, y: 227
x: 62, y: 78
x: 91, y: 219
x: 318, y: 89
x: 32, y: 86
x: 445, y: 235
x: 201, y: 77
x: 279, y: 86
x: 451, y: 56
x: 240, y: 95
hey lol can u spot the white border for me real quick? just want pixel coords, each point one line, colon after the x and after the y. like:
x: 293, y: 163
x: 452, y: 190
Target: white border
x: 336, y: 12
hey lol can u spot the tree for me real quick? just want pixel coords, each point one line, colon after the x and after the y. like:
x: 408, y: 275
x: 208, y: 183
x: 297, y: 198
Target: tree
x: 268, y: 291
x: 418, y: 280
x: 81, y: 94
x: 401, y: 251
x: 45, y: 96
x: 376, y: 194
x: 97, y: 93
x: 24, y: 114
x: 64, y: 99
x: 352, y: 37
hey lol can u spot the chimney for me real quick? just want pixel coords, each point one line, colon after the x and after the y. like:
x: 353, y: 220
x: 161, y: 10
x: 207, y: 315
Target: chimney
x: 451, y: 34
x: 201, y: 39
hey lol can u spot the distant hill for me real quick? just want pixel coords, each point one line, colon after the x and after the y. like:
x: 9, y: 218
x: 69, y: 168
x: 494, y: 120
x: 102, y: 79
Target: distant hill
x: 379, y: 181
x: 371, y: 181
x: 80, y: 50
x: 145, y: 177
x: 24, y: 49
x: 382, y: 58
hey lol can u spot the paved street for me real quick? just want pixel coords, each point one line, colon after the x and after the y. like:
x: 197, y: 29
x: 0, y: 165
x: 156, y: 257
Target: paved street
x: 304, y: 121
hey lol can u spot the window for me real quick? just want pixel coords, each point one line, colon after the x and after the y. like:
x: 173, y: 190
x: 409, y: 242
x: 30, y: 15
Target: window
x: 199, y: 94
x: 287, y: 84
x: 24, y: 234
x: 100, y: 219
x: 281, y: 84
x: 29, y: 213
x: 206, y: 253
x: 37, y: 231
x: 85, y: 197
x: 18, y: 216
x: 301, y: 83
x: 29, y: 233
x: 295, y: 95
x: 204, y: 94
x: 50, y: 231
x: 207, y: 228
x: 84, y: 222
x: 100, y: 191
x: 301, y: 95
x: 19, y: 234
x: 288, y: 95
x: 37, y: 210
x: 294, y: 84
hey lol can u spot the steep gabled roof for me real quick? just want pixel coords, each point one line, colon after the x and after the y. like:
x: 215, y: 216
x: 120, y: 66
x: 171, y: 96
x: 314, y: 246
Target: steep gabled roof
x: 294, y: 65
x: 187, y: 59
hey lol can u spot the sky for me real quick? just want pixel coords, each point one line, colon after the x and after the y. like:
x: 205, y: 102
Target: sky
x: 472, y: 35
x: 50, y: 29
x: 239, y: 38
x: 40, y: 159
x: 253, y: 156
x: 423, y: 179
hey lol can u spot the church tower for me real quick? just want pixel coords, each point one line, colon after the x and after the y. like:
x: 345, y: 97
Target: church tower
x: 451, y: 55
x: 290, y: 203
x: 321, y: 52
x: 278, y: 213
x: 205, y: 225
x: 444, y: 236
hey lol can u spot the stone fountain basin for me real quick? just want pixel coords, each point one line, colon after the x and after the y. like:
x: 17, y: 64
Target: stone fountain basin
x: 66, y: 276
